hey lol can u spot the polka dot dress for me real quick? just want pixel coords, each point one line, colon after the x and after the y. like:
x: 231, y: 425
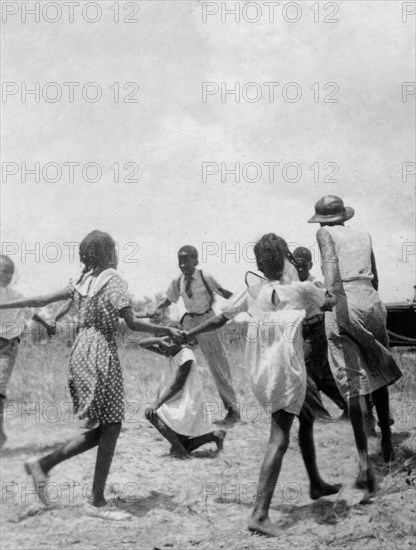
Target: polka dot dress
x: 95, y: 377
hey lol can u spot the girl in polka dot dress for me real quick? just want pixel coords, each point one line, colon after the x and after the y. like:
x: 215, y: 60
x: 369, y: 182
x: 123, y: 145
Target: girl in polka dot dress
x: 95, y: 377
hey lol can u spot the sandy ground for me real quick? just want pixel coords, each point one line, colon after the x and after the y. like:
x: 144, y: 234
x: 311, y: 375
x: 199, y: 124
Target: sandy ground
x: 204, y: 502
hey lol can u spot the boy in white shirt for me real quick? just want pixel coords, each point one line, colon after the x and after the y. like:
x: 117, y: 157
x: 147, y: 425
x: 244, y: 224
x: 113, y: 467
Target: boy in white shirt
x: 198, y: 289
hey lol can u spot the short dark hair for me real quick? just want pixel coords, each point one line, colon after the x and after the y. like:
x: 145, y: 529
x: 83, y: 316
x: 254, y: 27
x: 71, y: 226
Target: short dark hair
x: 302, y: 253
x: 189, y: 250
x: 6, y: 261
x: 270, y: 252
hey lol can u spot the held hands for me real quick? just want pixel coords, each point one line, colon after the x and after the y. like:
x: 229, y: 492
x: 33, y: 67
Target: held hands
x: 51, y: 329
x: 177, y: 335
x: 330, y: 302
x: 150, y: 412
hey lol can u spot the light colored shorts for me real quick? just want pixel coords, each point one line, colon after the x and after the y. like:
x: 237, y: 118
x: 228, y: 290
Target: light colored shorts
x: 8, y: 354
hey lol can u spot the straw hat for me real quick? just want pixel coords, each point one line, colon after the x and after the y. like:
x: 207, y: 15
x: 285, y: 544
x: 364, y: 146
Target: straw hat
x: 331, y: 209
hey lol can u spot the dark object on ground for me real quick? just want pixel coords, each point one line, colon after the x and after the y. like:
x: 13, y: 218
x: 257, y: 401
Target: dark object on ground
x: 401, y: 323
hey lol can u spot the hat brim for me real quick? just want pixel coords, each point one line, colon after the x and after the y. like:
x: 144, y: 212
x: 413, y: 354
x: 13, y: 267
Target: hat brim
x: 343, y: 217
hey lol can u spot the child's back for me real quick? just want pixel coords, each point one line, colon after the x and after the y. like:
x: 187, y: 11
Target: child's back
x: 183, y: 413
x: 274, y: 349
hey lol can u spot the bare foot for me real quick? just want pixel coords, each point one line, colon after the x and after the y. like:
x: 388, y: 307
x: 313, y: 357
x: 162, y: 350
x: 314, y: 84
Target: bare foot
x: 324, y: 490
x: 233, y: 417
x: 263, y: 527
x: 219, y: 436
x: 40, y: 479
x: 387, y: 451
x: 179, y: 452
x: 366, y: 480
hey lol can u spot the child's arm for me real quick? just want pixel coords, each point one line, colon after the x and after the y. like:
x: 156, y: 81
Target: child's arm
x: 63, y: 310
x: 164, y: 304
x: 168, y: 393
x: 50, y: 328
x: 134, y: 323
x: 147, y: 342
x: 374, y: 281
x: 154, y: 344
x: 154, y: 349
x: 224, y: 292
x: 237, y: 305
x: 212, y: 324
x: 39, y: 301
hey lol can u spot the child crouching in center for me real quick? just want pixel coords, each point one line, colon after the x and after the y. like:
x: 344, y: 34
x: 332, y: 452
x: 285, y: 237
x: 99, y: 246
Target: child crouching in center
x: 177, y: 412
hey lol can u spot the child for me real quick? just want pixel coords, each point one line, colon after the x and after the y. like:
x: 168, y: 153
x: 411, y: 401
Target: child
x: 177, y: 412
x: 12, y: 325
x: 95, y: 378
x: 275, y: 357
x: 197, y: 290
x: 315, y: 342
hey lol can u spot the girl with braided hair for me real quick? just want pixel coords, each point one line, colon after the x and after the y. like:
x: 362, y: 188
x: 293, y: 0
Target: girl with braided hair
x: 274, y: 356
x: 95, y: 377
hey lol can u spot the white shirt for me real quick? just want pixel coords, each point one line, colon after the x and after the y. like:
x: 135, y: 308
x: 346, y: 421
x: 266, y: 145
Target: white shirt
x: 13, y: 321
x: 201, y: 300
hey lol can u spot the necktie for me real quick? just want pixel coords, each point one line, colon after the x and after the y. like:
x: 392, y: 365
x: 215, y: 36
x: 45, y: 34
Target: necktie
x: 188, y: 283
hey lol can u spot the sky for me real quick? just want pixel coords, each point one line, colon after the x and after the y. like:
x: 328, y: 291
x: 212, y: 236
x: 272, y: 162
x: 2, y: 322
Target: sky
x: 162, y: 134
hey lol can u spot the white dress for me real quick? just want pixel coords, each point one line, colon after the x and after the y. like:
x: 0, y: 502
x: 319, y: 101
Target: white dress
x: 184, y: 412
x: 274, y: 348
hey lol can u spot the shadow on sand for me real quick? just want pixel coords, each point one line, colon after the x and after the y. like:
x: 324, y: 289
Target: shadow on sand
x: 29, y: 450
x: 140, y: 507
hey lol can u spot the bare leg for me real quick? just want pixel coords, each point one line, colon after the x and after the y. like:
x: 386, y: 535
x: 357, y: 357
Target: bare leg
x: 105, y: 453
x: 3, y: 436
x: 318, y: 487
x: 105, y: 436
x: 381, y: 402
x: 366, y: 478
x: 78, y: 445
x: 177, y: 448
x: 281, y: 423
x: 216, y: 437
x: 369, y: 417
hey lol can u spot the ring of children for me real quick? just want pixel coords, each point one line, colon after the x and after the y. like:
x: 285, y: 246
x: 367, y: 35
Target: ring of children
x: 207, y: 275
x: 203, y: 502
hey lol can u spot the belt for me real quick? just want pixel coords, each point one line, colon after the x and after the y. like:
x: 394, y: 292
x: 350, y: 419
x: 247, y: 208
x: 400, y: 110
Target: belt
x: 198, y: 314
x: 312, y: 321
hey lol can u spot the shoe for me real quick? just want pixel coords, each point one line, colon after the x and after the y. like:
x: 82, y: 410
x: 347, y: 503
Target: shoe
x: 40, y: 479
x: 106, y: 512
